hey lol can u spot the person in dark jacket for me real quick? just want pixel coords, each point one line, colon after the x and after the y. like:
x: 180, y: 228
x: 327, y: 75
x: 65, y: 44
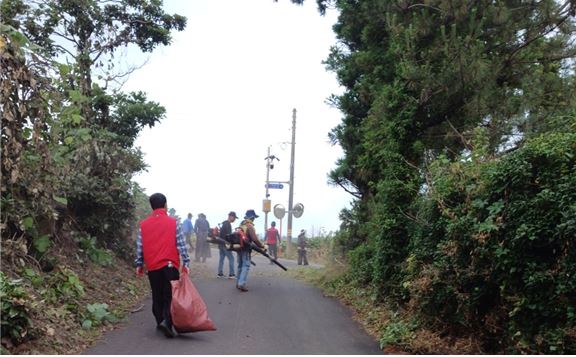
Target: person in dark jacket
x: 302, y: 258
x: 159, y: 246
x: 202, y: 228
x: 225, y: 253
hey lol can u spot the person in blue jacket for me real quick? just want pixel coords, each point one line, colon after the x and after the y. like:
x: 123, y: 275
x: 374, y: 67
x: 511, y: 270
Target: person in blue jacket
x: 187, y: 229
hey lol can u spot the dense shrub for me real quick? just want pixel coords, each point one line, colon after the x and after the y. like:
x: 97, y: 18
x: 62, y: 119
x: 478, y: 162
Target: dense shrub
x: 507, y: 261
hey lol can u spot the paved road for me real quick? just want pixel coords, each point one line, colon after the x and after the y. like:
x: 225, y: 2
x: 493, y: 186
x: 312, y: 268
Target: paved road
x: 278, y: 315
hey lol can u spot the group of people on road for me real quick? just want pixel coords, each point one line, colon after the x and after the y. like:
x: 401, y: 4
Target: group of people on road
x: 162, y: 248
x: 201, y: 229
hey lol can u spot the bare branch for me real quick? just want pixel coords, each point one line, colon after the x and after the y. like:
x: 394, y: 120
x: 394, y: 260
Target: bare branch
x: 341, y: 184
x: 462, y: 138
x: 413, y: 218
x: 122, y: 78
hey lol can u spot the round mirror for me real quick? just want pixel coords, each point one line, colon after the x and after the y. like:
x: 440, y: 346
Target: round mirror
x: 279, y: 211
x: 298, y: 210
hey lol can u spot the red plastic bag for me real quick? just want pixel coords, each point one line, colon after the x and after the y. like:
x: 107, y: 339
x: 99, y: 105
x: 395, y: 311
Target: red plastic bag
x: 188, y: 310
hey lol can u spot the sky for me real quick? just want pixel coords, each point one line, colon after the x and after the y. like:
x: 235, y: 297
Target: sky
x: 229, y: 84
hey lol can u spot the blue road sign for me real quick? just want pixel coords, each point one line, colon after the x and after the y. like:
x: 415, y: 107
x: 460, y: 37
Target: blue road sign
x: 274, y: 185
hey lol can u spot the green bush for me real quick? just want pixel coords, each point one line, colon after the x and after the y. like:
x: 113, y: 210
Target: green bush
x: 505, y: 265
x: 99, y: 256
x: 361, y: 263
x: 96, y: 314
x: 15, y: 311
x: 397, y: 333
x: 63, y: 285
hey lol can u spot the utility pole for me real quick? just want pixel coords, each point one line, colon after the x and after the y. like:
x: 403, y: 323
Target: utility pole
x: 267, y: 194
x: 291, y: 193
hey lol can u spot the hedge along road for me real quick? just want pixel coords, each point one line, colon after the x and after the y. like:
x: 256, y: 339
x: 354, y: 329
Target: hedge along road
x: 278, y: 315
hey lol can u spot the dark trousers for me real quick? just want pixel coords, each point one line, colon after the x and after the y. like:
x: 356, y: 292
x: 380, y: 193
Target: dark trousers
x: 202, y: 247
x: 273, y: 248
x: 302, y: 258
x: 162, y: 292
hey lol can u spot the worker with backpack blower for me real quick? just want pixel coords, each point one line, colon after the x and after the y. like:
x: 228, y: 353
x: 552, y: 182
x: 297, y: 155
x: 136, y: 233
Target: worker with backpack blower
x: 244, y: 253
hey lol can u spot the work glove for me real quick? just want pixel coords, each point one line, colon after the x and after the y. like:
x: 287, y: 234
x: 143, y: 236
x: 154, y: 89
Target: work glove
x: 139, y: 271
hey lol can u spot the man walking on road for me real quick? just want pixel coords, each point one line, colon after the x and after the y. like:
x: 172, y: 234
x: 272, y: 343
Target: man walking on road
x: 225, y: 230
x: 302, y: 258
x: 273, y: 240
x: 247, y: 227
x: 202, y: 228
x: 159, y: 246
x: 187, y: 229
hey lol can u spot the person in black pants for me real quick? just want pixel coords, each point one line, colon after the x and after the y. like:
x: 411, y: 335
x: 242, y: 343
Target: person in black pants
x: 162, y: 297
x: 159, y: 246
x: 302, y: 258
x: 225, y: 230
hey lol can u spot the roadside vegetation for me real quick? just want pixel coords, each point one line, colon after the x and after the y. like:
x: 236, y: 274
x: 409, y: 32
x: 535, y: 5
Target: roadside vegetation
x: 68, y: 202
x: 459, y: 146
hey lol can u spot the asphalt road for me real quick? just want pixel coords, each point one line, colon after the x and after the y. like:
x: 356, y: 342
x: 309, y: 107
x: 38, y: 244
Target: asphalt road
x: 278, y: 315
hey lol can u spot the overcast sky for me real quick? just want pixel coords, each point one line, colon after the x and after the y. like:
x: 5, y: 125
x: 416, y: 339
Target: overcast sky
x: 229, y: 83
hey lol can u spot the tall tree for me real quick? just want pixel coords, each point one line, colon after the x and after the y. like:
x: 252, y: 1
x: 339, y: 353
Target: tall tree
x: 90, y: 30
x: 422, y: 79
x: 455, y: 65
x: 92, y: 131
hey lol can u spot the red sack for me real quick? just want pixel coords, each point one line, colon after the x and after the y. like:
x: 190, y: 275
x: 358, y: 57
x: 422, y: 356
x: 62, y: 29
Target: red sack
x: 188, y: 310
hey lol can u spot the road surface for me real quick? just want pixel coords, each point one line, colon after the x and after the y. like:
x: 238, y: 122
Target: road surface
x: 278, y: 315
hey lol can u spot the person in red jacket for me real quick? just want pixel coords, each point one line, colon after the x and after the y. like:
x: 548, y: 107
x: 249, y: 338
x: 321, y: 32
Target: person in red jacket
x: 160, y: 244
x: 273, y: 240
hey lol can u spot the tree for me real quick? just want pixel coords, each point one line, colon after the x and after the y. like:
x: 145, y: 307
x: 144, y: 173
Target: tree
x: 88, y: 132
x: 27, y: 168
x: 456, y: 80
x: 89, y: 30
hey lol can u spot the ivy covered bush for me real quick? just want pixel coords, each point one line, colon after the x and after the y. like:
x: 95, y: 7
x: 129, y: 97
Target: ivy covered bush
x: 505, y: 261
x: 456, y: 131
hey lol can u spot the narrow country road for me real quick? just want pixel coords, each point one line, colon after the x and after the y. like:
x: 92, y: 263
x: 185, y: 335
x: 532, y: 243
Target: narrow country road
x: 278, y: 315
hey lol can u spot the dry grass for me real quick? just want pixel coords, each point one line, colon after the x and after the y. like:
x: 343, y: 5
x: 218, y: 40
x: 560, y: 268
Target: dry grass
x: 430, y: 342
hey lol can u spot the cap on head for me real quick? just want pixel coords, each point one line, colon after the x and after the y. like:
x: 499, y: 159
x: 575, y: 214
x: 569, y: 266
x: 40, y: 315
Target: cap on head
x: 250, y: 214
x: 232, y: 214
x: 273, y: 224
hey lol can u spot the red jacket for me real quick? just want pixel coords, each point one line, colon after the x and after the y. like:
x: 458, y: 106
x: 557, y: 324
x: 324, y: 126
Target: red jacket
x: 159, y: 240
x: 272, y: 235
